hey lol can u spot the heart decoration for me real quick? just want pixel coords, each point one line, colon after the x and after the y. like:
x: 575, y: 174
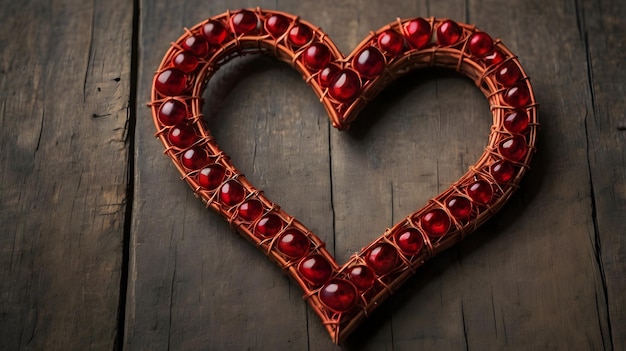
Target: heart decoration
x: 344, y: 295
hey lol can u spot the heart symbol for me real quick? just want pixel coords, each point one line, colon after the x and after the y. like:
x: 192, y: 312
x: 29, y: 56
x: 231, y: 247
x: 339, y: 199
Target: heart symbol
x: 344, y: 295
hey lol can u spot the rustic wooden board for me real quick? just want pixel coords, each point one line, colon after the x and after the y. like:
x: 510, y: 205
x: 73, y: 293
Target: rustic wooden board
x: 64, y: 101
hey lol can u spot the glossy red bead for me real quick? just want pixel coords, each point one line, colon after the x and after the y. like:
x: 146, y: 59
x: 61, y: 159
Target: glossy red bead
x: 480, y: 192
x: 232, y: 193
x: 300, y: 35
x: 214, y: 32
x: 182, y: 136
x: 502, y: 171
x: 409, y: 241
x: 277, y: 25
x: 513, y: 148
x: 345, y: 86
x: 269, y: 225
x: 244, y: 22
x: 459, y: 206
x: 516, y: 121
x: 211, y: 176
x: 435, y: 222
x: 417, y: 33
x: 518, y: 95
x: 391, y: 42
x: 480, y: 44
x: 171, y: 82
x: 315, y: 269
x: 197, y: 45
x: 493, y: 58
x: 448, y: 33
x: 194, y: 158
x: 339, y: 295
x: 185, y: 61
x: 362, y: 277
x: 250, y: 210
x: 370, y: 62
x: 172, y: 112
x: 382, y: 258
x: 508, y: 73
x: 326, y: 75
x: 293, y: 243
x: 316, y: 56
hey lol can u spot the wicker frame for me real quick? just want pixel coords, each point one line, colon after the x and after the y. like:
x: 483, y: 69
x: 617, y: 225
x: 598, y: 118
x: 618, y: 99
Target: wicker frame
x: 458, y: 57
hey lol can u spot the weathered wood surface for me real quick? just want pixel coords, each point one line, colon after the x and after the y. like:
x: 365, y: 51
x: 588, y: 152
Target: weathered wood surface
x: 548, y: 272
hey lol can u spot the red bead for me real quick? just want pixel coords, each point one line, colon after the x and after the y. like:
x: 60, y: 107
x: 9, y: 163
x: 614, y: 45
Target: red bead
x: 269, y: 225
x: 300, y: 35
x: 448, y: 33
x: 494, y: 58
x: 517, y: 95
x: 326, y: 75
x: 513, y: 148
x: 508, y: 73
x: 182, y: 136
x: 417, y: 32
x: 391, y: 42
x: 277, y: 25
x: 480, y: 191
x: 480, y: 44
x: 293, y: 243
x: 171, y: 82
x: 339, y: 295
x: 214, y: 32
x: 345, y: 85
x: 244, y: 22
x: 435, y: 222
x: 196, y: 45
x: 172, y: 112
x: 315, y: 269
x: 362, y: 277
x: 185, y: 61
x: 382, y: 258
x: 211, y: 176
x: 409, y: 241
x: 195, y: 158
x: 460, y: 207
x: 250, y: 210
x: 232, y: 193
x: 502, y: 171
x: 516, y: 121
x: 370, y: 62
x: 316, y: 56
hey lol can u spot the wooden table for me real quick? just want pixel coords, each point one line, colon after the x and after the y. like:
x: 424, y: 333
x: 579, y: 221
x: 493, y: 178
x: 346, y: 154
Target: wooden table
x: 104, y: 247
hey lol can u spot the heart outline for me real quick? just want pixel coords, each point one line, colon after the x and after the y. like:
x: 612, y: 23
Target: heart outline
x: 341, y: 321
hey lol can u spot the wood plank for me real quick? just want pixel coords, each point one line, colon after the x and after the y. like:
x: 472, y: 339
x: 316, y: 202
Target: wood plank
x: 64, y: 102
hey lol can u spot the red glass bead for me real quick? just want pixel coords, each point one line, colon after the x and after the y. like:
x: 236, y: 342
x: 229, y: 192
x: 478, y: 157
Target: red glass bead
x: 409, y: 241
x: 315, y: 269
x: 382, y: 258
x: 513, y: 148
x: 316, y: 56
x: 418, y: 32
x: 211, y: 176
x: 339, y: 295
x: 195, y: 158
x: 293, y: 243
x: 460, y: 207
x: 517, y: 95
x: 300, y: 35
x: 480, y: 44
x: 370, y: 62
x: 185, y: 61
x: 391, y: 42
x: 326, y: 75
x: 250, y: 210
x: 448, y: 33
x: 493, y: 58
x: 277, y: 25
x: 480, y: 191
x: 362, y: 277
x: 172, y: 112
x: 182, y: 136
x: 435, y: 222
x: 508, y: 73
x: 214, y: 32
x: 516, y: 121
x: 502, y: 171
x: 232, y: 193
x: 244, y: 22
x: 171, y: 82
x: 196, y: 45
x: 345, y: 86
x: 269, y: 225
